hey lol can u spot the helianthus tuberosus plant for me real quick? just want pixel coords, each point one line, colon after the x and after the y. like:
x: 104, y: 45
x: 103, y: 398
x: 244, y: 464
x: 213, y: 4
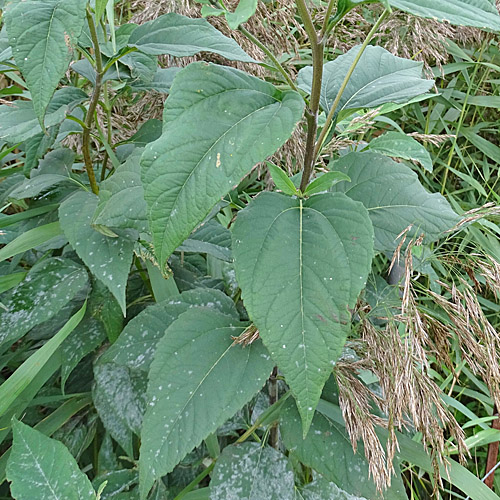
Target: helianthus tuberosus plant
x: 194, y: 337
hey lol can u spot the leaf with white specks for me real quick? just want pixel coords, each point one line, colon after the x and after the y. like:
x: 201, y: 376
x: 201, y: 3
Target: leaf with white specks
x: 250, y: 471
x: 321, y: 489
x: 41, y: 468
x: 219, y: 122
x: 191, y: 396
x: 136, y: 344
x: 119, y: 396
x: 301, y: 265
x: 48, y: 287
x: 109, y: 259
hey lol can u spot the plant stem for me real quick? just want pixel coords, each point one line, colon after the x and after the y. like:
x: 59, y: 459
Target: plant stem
x: 317, y: 47
x: 273, y: 397
x: 331, y: 114
x: 326, y: 22
x: 92, y: 105
x: 197, y: 480
x: 271, y: 56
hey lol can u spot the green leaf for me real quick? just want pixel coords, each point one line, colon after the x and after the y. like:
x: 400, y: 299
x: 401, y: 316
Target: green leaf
x: 119, y: 395
x: 402, y: 146
x: 54, y: 169
x: 191, y: 396
x: 253, y: 471
x: 137, y: 343
x: 109, y: 259
x: 87, y: 337
x: 328, y: 450
x: 49, y: 286
x: 395, y: 199
x: 243, y: 12
x: 121, y: 198
x: 211, y: 238
x: 18, y: 121
x: 12, y: 388
x: 182, y: 36
x: 324, y: 182
x: 320, y: 489
x: 281, y: 180
x: 219, y: 123
x: 100, y: 8
x: 9, y: 281
x: 379, y: 77
x: 162, y: 81
x: 301, y: 266
x: 477, y: 13
x: 30, y: 239
x: 42, y: 468
x: 43, y: 35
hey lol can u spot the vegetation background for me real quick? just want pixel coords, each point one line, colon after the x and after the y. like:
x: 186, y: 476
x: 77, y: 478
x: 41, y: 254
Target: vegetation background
x: 80, y: 395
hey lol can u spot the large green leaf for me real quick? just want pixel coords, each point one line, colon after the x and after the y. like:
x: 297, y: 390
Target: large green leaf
x: 301, y: 266
x: 137, y: 343
x: 395, y: 199
x: 320, y: 489
x: 41, y: 468
x: 477, y: 13
x: 109, y: 259
x: 42, y: 34
x: 182, y: 36
x: 379, y: 77
x: 254, y: 472
x: 219, y: 123
x: 49, y: 286
x: 328, y: 450
x: 191, y: 396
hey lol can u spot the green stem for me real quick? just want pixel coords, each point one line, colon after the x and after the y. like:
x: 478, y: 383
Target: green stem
x: 326, y: 23
x: 317, y: 47
x: 92, y: 106
x: 271, y: 56
x: 331, y: 114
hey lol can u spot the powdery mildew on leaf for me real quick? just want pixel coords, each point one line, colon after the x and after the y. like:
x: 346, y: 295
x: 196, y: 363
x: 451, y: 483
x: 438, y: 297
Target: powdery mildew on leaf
x: 250, y: 471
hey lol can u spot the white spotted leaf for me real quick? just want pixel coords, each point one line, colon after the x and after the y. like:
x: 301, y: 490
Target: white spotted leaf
x: 301, y: 266
x: 41, y: 468
x: 250, y: 471
x: 190, y: 396
x: 109, y: 259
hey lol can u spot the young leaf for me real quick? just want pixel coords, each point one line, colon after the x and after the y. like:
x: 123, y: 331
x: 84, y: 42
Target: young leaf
x: 254, y: 471
x: 395, y: 199
x: 191, y: 396
x: 281, y: 180
x: 182, y: 36
x: 402, y: 146
x: 41, y: 467
x: 324, y: 182
x: 378, y: 78
x: 49, y: 286
x: 328, y: 450
x: 243, y: 12
x: 137, y: 343
x: 42, y: 35
x: 477, y: 13
x: 109, y: 259
x: 219, y: 123
x: 301, y: 266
